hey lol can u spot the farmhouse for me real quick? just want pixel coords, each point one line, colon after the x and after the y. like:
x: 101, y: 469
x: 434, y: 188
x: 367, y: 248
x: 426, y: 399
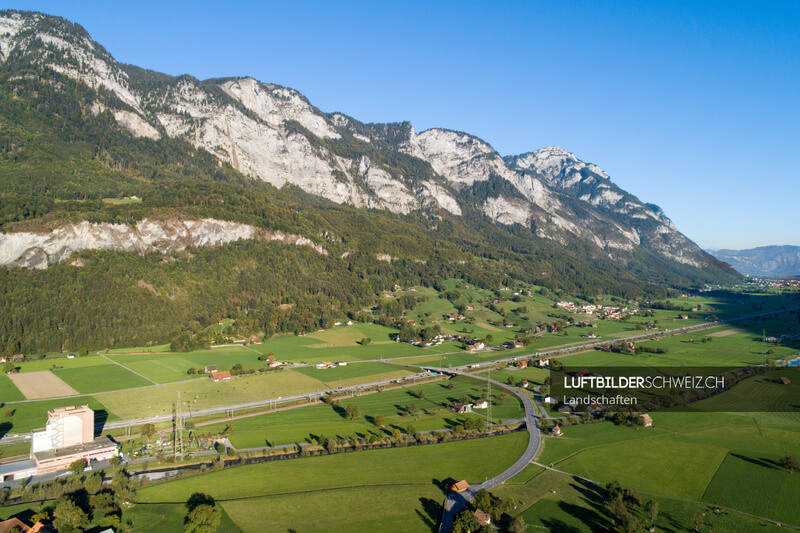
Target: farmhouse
x: 210, y: 368
x: 461, y: 408
x: 557, y: 431
x: 483, y: 404
x: 784, y: 380
x: 551, y: 400
x: 461, y: 486
x: 15, y: 524
x: 275, y: 364
x: 521, y: 364
x: 647, y: 421
x: 482, y: 518
x: 476, y: 345
x: 220, y: 376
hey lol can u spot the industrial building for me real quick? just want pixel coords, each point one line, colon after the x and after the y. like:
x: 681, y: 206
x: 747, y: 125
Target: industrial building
x: 67, y: 437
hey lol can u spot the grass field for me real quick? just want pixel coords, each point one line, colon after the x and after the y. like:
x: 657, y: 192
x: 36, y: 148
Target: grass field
x: 550, y: 501
x: 92, y: 379
x: 202, y: 393
x: 165, y: 368
x: 306, y: 423
x: 410, y: 484
x: 33, y: 415
x: 8, y: 391
x: 353, y: 373
x: 717, y: 458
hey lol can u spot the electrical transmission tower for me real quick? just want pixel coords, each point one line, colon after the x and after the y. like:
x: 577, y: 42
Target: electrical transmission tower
x: 489, y: 393
x: 178, y: 441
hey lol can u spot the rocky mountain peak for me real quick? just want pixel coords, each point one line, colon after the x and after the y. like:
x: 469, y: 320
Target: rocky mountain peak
x: 273, y: 133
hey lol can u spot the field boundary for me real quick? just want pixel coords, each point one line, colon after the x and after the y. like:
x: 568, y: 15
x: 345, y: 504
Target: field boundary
x: 128, y: 369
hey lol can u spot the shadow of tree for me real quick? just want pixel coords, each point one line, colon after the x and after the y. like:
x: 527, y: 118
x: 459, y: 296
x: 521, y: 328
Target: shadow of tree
x: 432, y: 512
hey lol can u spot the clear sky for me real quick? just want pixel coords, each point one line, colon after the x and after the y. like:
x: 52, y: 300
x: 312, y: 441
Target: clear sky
x: 694, y: 106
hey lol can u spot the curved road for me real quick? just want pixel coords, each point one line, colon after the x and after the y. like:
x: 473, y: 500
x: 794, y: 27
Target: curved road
x: 456, y: 502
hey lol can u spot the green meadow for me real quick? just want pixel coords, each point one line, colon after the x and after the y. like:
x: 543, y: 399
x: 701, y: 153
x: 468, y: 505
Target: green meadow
x: 703, y: 457
x: 305, y: 424
x: 395, y: 489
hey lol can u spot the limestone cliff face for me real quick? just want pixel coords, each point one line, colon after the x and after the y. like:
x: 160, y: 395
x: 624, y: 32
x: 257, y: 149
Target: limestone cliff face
x: 38, y: 250
x: 275, y: 134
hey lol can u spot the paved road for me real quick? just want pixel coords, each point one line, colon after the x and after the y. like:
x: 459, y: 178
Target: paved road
x: 456, y: 502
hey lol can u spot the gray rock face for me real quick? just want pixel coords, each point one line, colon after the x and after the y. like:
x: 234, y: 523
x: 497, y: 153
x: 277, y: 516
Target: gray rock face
x: 273, y: 133
x: 37, y: 250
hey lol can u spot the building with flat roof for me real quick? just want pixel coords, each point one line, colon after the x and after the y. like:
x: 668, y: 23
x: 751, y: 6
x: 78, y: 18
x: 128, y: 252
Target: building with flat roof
x: 99, y: 449
x: 17, y: 470
x: 67, y: 437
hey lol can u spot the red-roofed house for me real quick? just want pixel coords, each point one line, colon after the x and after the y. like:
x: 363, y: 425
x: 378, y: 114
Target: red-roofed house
x: 483, y: 518
x: 461, y: 486
x: 220, y: 376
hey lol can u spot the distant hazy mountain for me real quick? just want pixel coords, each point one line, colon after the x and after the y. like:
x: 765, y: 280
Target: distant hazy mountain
x: 766, y: 261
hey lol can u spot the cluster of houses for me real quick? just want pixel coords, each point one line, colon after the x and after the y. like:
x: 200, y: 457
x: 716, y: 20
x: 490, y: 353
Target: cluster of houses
x: 609, y: 311
x: 513, y: 344
x: 436, y: 341
x: 329, y: 364
x: 475, y: 345
x: 15, y: 358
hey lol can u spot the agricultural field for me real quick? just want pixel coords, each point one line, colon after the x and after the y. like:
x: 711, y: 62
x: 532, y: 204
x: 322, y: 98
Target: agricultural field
x: 202, y: 393
x: 91, y: 379
x: 353, y: 374
x: 553, y: 501
x: 699, y: 457
x: 305, y: 424
x: 398, y: 489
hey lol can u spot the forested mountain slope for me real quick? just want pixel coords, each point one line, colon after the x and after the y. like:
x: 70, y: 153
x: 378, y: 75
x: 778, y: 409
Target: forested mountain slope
x: 124, y: 194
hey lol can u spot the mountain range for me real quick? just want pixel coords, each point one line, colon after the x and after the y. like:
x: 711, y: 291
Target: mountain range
x: 764, y: 261
x: 100, y: 155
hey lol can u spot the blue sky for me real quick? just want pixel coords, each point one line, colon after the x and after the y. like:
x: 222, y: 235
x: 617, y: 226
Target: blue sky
x: 694, y: 106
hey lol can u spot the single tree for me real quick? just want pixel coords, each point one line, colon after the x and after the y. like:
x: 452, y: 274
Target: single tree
x: 791, y: 464
x: 352, y: 411
x: 517, y: 525
x: 204, y: 518
x: 465, y: 522
x: 67, y: 515
x: 76, y: 467
x: 379, y: 421
x: 652, y: 511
